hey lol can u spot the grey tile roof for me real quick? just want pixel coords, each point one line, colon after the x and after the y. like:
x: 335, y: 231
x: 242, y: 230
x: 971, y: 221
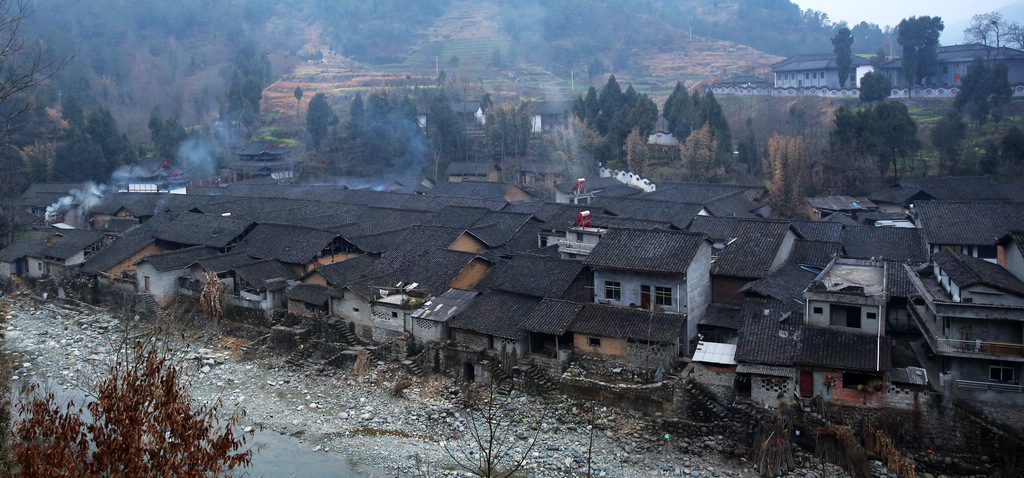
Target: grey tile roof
x: 258, y: 273
x: 897, y: 280
x: 899, y: 195
x: 309, y: 293
x: 893, y: 243
x: 964, y: 188
x: 787, y: 283
x: 593, y: 184
x: 45, y: 194
x: 819, y: 230
x: 496, y: 313
x: 840, y: 203
x: 701, y: 193
x: 751, y: 248
x: 968, y: 222
x: 445, y: 306
x: 457, y: 216
x: 679, y: 214
x: 342, y: 273
x: 534, y: 276
x: 968, y: 271
x: 768, y: 338
x: 433, y: 270
x: 650, y: 251
x: 379, y: 242
x: 738, y: 204
x: 621, y: 222
x: 70, y: 242
x: 20, y: 250
x: 552, y: 317
x: 196, y: 229
x: 814, y: 253
x: 838, y: 349
x: 628, y: 323
x: 224, y: 262
x: 122, y: 249
x: 286, y: 243
x: 723, y: 316
x: 717, y: 228
x: 470, y: 189
x: 813, y: 61
x: 496, y: 228
x: 177, y: 259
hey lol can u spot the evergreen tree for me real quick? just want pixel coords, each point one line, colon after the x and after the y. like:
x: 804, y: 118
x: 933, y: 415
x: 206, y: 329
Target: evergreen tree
x: 298, y: 99
x: 919, y: 37
x: 874, y: 87
x: 319, y: 118
x: 637, y: 156
x: 787, y: 166
x: 842, y: 46
x: 984, y: 91
x: 948, y: 136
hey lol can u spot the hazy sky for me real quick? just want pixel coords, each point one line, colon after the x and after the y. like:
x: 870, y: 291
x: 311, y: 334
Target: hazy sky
x: 890, y: 12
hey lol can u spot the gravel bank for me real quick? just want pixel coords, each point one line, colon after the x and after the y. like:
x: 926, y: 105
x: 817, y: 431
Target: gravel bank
x: 333, y: 411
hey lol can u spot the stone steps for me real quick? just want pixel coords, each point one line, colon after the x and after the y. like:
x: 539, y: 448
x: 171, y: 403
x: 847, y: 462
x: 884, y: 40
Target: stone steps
x: 346, y: 335
x: 540, y: 380
x: 413, y: 368
x: 252, y: 347
x: 296, y: 357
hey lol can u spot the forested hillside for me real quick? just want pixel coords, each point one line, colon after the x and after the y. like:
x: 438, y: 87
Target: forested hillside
x: 175, y: 58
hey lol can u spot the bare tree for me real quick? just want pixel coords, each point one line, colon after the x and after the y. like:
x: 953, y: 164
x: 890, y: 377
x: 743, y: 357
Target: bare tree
x: 490, y: 424
x: 22, y: 68
x: 985, y: 28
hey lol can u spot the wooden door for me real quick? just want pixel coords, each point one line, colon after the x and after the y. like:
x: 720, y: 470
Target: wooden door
x: 806, y: 383
x: 645, y: 297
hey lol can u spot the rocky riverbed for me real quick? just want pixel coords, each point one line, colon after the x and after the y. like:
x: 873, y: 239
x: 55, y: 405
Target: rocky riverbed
x: 333, y: 411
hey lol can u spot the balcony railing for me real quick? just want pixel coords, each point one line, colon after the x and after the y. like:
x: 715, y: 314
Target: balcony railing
x: 963, y: 348
x: 975, y: 347
x: 573, y: 247
x: 994, y: 386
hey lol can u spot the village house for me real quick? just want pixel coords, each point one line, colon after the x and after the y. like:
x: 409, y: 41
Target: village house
x: 752, y: 249
x: 261, y: 285
x: 660, y: 271
x: 901, y: 197
x: 264, y: 159
x: 159, y: 275
x: 583, y: 190
x: 970, y: 312
x: 824, y: 206
x: 953, y: 61
x: 816, y: 70
x: 968, y: 227
x: 151, y: 175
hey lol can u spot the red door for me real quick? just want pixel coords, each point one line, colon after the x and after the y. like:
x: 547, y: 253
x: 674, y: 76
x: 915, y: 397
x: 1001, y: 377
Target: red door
x: 645, y: 297
x: 806, y: 383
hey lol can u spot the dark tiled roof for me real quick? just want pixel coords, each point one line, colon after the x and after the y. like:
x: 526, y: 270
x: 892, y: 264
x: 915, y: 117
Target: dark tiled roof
x: 309, y: 293
x: 224, y: 262
x: 899, y: 195
x: 844, y: 350
x: 737, y: 204
x: 594, y: 184
x: 966, y: 271
x: 526, y: 239
x: 814, y: 253
x: 70, y: 242
x: 45, y: 194
x: 621, y: 222
x: 768, y: 338
x: 787, y: 283
x: 286, y: 243
x: 751, y: 248
x: 496, y: 313
x: 534, y: 276
x: 627, y: 323
x: 840, y: 218
x: 552, y: 317
x: 696, y: 192
x: 897, y: 280
x: 819, y: 230
x: 457, y: 216
x: 813, y: 61
x: 433, y: 270
x: 126, y: 246
x: 717, y: 228
x: 196, y: 229
x: 445, y: 306
x: 264, y: 147
x: 496, y: 228
x: 893, y: 243
x: 963, y: 188
x: 258, y: 273
x: 118, y: 225
x: 968, y: 223
x: 379, y: 242
x: 840, y: 203
x: 722, y: 316
x: 341, y: 273
x: 650, y: 251
x: 470, y: 189
x: 679, y: 214
x: 20, y: 250
x: 179, y: 259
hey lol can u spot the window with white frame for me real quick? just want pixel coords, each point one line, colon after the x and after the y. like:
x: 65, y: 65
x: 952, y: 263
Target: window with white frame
x: 1002, y: 372
x: 612, y: 290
